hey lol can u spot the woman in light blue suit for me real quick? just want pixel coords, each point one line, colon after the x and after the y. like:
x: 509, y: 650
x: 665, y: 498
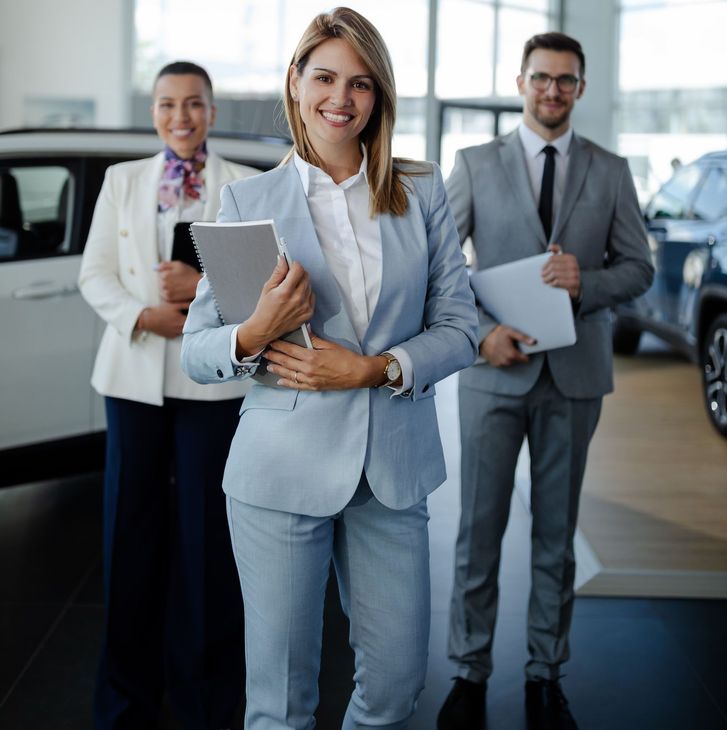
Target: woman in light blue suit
x: 336, y: 462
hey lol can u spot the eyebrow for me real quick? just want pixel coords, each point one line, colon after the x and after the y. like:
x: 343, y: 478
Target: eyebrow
x: 335, y: 73
x: 186, y: 98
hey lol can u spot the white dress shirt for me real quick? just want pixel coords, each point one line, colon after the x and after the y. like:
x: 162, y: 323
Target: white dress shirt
x: 176, y: 383
x: 350, y: 240
x: 533, y: 145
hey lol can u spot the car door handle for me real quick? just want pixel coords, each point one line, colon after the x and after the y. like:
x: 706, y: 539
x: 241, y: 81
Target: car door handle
x: 44, y: 290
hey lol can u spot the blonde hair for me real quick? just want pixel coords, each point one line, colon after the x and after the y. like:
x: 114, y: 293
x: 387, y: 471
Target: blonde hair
x: 387, y: 190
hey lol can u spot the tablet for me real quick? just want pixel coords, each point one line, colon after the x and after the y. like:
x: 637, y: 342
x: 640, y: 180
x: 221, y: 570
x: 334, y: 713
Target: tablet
x: 515, y: 295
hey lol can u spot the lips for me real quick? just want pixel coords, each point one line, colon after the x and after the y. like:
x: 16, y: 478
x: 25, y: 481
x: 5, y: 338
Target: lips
x: 182, y: 132
x: 336, y: 117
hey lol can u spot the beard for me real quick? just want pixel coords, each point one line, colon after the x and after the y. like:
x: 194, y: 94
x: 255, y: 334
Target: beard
x: 551, y: 120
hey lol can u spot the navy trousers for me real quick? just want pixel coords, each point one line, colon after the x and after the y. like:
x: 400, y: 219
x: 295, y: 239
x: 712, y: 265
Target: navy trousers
x: 173, y: 619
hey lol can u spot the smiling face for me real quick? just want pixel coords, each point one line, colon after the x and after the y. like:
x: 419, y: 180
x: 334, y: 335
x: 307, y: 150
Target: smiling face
x: 336, y: 95
x: 548, y: 112
x: 182, y: 112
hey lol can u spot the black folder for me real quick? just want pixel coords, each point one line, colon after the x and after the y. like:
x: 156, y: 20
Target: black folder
x: 183, y: 246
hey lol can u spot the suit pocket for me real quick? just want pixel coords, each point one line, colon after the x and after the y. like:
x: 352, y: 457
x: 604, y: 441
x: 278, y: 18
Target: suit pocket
x: 600, y: 315
x: 261, y: 396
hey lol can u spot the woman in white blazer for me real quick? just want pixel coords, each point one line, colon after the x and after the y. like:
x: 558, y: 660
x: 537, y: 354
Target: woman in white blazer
x: 336, y: 461
x: 173, y: 610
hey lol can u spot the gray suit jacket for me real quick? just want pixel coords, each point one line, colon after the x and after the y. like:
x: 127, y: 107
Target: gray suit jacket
x: 599, y: 222
x: 304, y: 452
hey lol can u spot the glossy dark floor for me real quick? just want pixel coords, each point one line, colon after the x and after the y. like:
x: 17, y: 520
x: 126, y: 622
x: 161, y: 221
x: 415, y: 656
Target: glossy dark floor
x: 637, y: 664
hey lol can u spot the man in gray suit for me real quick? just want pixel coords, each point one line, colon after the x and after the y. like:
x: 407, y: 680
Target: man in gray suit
x: 540, y: 188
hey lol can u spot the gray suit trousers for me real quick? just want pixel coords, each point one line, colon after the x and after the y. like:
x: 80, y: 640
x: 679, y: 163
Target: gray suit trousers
x: 493, y: 427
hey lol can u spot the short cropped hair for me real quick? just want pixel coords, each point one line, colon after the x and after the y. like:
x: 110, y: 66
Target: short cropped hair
x: 180, y: 68
x: 553, y: 42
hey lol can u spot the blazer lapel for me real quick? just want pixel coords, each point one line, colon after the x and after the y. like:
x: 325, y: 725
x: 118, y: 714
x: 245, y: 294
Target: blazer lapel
x: 145, y: 197
x: 513, y: 162
x: 578, y: 163
x: 295, y: 225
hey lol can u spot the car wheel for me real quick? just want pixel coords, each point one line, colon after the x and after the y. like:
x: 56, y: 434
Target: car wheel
x: 714, y: 373
x: 626, y: 337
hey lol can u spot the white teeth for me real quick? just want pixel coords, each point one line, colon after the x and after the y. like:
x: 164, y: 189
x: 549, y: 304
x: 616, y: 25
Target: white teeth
x: 336, y: 117
x: 181, y: 132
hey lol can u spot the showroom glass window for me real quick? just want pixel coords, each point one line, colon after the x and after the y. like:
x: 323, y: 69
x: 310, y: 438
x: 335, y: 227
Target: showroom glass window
x: 478, y: 58
x: 672, y: 103
x: 246, y: 46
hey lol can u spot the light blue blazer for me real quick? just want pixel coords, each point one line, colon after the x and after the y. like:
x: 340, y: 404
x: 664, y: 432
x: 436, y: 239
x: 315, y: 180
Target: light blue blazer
x: 304, y: 452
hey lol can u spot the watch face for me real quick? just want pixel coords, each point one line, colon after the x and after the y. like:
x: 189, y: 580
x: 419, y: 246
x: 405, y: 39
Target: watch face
x: 393, y: 370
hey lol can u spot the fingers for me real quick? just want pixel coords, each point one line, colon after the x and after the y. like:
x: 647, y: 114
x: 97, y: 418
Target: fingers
x: 279, y: 273
x: 520, y: 336
x: 555, y: 248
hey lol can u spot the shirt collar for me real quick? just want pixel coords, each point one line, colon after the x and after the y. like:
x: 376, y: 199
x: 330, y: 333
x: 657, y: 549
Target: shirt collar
x: 533, y: 143
x: 310, y: 173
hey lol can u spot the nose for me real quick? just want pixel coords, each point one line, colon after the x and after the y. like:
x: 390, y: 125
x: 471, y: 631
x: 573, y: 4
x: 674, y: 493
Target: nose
x: 340, y: 95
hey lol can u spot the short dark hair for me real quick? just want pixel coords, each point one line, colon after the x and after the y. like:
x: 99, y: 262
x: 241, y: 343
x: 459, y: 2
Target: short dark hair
x: 179, y: 68
x: 553, y: 42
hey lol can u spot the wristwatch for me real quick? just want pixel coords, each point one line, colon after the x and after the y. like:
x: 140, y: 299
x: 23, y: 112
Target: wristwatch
x: 392, y: 371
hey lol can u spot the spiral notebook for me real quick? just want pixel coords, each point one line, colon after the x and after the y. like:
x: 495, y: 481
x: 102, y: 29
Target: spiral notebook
x: 516, y: 295
x: 238, y: 258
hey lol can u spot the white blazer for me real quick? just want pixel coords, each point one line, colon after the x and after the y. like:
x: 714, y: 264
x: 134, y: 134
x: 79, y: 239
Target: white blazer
x: 118, y: 279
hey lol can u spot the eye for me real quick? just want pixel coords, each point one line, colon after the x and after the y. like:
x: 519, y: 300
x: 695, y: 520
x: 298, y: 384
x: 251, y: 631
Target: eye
x: 362, y: 85
x: 324, y: 78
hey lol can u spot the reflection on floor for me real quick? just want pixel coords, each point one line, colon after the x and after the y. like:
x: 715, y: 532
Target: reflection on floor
x: 654, y: 506
x: 637, y: 664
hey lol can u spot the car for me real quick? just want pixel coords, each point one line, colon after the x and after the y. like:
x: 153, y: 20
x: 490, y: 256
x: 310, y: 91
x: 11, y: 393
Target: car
x: 49, y: 182
x: 686, y: 305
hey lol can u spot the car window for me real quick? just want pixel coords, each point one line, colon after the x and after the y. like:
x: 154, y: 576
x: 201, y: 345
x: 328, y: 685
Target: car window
x: 35, y: 211
x: 672, y: 201
x: 711, y: 201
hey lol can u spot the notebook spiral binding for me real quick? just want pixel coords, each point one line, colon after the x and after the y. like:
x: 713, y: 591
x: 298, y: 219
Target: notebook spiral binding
x: 201, y: 263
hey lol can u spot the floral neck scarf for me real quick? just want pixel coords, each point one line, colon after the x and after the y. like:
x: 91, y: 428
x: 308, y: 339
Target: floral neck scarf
x: 181, y: 178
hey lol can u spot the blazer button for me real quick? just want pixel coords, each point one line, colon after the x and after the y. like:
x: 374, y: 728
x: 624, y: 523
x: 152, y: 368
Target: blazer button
x: 219, y: 373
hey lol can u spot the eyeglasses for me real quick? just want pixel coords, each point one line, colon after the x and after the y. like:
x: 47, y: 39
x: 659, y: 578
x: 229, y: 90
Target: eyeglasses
x: 566, y: 83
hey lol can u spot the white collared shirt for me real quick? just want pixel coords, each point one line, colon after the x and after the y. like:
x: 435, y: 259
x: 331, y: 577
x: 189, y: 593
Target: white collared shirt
x: 350, y: 241
x: 533, y: 145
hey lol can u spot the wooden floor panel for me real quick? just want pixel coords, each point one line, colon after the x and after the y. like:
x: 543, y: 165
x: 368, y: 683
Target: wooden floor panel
x: 654, y: 504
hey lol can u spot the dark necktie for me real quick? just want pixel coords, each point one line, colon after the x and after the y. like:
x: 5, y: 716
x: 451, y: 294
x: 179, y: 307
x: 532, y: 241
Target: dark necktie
x: 545, y: 206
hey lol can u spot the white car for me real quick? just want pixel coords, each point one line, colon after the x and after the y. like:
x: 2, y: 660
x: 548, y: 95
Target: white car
x: 49, y: 182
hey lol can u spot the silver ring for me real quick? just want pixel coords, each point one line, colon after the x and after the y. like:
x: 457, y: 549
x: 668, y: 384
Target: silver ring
x: 296, y: 376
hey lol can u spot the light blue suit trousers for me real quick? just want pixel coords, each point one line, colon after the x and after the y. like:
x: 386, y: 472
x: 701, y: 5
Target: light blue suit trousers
x: 381, y: 557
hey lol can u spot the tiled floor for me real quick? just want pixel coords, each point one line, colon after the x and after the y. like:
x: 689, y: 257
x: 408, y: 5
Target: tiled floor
x: 637, y: 664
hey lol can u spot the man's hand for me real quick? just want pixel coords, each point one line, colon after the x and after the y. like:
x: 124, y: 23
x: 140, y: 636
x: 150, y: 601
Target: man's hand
x: 562, y: 271
x: 177, y: 281
x: 165, y: 320
x: 500, y: 348
x: 286, y: 302
x: 328, y: 366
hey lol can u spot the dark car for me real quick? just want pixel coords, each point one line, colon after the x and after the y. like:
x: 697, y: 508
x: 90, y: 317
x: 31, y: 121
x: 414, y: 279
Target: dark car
x: 49, y: 182
x: 687, y: 303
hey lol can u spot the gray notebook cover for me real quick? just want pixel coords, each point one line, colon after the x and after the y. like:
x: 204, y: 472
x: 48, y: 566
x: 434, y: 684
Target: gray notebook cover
x: 516, y: 295
x: 238, y: 258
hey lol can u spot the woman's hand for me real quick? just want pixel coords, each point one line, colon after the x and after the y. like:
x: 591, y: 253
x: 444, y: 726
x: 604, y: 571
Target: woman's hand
x: 165, y: 320
x: 177, y: 281
x: 328, y: 366
x: 286, y: 302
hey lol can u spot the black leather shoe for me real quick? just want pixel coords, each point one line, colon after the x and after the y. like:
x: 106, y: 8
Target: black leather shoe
x: 464, y: 708
x: 546, y: 706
